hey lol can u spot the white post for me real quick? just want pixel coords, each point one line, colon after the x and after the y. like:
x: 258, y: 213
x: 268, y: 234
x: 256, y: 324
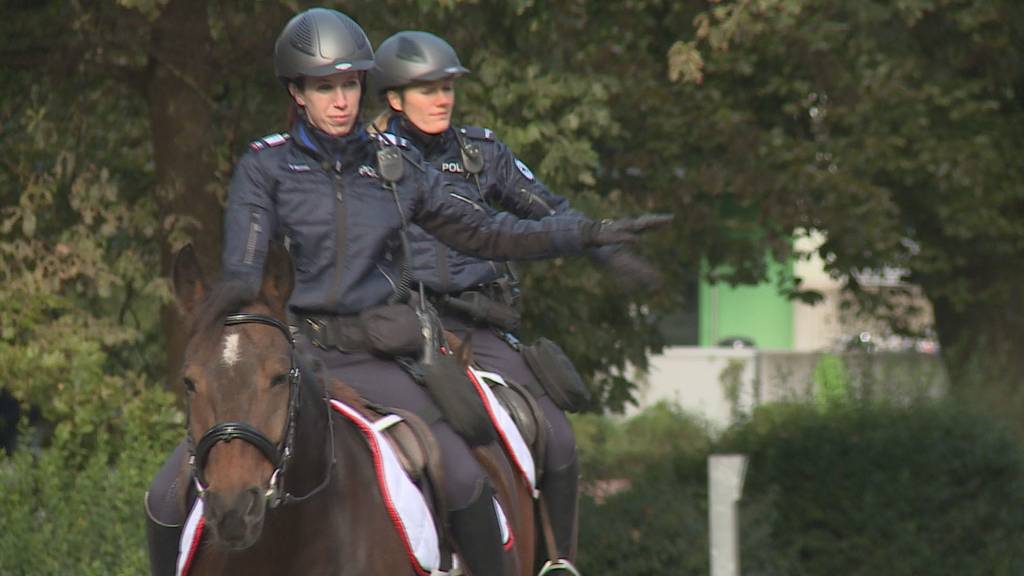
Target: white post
x: 725, y: 485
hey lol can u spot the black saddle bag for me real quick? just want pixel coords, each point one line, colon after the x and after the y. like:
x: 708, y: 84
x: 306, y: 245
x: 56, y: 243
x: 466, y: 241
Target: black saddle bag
x: 457, y: 398
x: 557, y: 375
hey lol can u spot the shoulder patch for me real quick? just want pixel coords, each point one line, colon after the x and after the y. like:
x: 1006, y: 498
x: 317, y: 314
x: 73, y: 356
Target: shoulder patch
x: 391, y: 140
x: 524, y: 170
x: 477, y: 133
x: 269, y: 141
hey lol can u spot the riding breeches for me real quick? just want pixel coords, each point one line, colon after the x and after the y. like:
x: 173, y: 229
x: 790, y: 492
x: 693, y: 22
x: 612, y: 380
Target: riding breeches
x: 384, y: 382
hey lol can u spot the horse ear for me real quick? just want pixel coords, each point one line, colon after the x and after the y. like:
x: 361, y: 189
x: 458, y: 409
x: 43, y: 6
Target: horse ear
x: 278, y: 276
x: 189, y: 285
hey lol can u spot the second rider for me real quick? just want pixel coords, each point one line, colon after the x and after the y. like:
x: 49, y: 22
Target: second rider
x: 414, y: 77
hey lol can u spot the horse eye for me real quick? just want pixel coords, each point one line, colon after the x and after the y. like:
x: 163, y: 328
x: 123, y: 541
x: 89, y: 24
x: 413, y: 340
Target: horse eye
x: 190, y: 386
x: 279, y: 379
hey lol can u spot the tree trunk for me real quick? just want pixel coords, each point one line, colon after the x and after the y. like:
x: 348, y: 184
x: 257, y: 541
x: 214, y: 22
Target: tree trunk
x: 981, y: 348
x: 178, y: 93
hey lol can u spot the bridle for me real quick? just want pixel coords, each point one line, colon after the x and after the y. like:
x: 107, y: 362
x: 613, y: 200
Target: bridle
x: 279, y: 455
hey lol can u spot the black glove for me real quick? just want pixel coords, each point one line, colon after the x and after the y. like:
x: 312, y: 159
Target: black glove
x: 622, y: 231
x: 632, y: 271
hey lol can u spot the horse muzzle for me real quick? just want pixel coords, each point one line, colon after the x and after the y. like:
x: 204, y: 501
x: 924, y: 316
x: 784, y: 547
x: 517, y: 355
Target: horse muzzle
x: 236, y: 519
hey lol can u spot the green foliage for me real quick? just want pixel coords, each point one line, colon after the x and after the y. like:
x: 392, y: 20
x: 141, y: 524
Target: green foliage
x: 80, y: 295
x: 657, y: 522
x: 877, y: 489
x: 831, y: 382
x: 75, y: 507
x: 612, y: 448
x: 891, y: 127
x: 868, y: 489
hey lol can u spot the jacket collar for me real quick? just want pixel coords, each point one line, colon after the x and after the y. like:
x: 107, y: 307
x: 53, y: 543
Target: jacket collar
x: 432, y: 146
x: 339, y: 152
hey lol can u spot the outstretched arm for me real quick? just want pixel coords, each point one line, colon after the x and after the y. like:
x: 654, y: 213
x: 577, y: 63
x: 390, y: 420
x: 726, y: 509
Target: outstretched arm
x: 503, y: 236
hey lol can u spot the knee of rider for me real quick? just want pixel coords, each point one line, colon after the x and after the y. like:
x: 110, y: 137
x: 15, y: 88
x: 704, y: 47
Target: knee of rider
x: 463, y: 486
x: 561, y: 441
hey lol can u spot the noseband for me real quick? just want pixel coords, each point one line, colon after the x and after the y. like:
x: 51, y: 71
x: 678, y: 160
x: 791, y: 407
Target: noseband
x: 280, y: 454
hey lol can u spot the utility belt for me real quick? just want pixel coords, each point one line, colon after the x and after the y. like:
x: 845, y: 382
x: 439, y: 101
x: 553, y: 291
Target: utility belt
x: 399, y: 332
x: 492, y: 304
x: 390, y: 330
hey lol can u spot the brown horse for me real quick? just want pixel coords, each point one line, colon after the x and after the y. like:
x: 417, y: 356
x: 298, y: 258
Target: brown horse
x: 288, y: 486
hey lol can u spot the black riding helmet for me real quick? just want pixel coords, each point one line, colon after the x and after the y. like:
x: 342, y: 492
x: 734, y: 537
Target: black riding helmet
x: 321, y: 42
x: 412, y: 56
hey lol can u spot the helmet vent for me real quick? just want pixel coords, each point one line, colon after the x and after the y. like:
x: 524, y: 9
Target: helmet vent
x: 302, y: 37
x: 410, y: 51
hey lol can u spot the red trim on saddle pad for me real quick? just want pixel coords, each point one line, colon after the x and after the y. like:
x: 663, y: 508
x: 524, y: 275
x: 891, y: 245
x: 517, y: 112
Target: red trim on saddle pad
x: 378, y: 464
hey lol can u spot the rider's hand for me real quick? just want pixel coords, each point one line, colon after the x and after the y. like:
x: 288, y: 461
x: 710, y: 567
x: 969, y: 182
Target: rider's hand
x: 632, y: 271
x: 622, y: 231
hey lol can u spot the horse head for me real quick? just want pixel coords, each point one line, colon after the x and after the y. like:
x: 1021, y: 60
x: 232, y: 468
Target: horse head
x: 241, y: 383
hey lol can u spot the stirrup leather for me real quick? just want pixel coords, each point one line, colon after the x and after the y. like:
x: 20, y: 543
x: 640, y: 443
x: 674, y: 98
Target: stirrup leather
x: 557, y: 567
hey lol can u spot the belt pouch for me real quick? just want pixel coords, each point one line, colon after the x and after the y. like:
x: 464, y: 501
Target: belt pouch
x: 393, y: 330
x: 557, y: 375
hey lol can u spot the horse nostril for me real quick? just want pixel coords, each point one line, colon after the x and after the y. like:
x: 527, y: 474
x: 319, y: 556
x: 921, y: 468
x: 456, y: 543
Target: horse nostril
x: 254, y: 508
x: 213, y: 506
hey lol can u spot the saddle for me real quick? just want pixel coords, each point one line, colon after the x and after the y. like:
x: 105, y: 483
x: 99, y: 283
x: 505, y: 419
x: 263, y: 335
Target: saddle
x: 526, y: 414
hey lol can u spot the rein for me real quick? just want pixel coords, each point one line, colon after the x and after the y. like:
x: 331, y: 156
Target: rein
x: 279, y: 455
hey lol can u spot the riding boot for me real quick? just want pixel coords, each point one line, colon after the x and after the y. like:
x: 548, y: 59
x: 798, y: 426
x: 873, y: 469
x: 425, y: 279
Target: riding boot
x: 163, y: 540
x: 559, y: 491
x: 477, y: 536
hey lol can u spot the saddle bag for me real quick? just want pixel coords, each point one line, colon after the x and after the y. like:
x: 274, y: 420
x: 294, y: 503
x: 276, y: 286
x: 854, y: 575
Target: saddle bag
x: 453, y: 392
x: 557, y: 375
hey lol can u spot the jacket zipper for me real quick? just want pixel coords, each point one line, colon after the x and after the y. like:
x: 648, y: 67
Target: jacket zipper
x: 341, y: 240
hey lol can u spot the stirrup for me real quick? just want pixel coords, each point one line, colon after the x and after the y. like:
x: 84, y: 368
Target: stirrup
x: 558, y: 566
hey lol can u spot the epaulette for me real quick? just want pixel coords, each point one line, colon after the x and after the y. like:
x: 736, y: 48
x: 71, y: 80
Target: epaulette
x: 477, y: 133
x: 269, y: 141
x: 390, y: 139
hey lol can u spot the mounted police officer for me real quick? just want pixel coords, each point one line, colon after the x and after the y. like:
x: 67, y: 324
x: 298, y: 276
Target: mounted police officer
x: 415, y: 76
x: 341, y: 199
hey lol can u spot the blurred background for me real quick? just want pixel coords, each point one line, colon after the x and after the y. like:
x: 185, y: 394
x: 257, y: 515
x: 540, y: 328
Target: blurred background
x: 843, y: 297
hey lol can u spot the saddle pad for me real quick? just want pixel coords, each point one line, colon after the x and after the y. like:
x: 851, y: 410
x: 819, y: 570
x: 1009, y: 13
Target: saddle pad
x: 406, y: 506
x: 515, y: 446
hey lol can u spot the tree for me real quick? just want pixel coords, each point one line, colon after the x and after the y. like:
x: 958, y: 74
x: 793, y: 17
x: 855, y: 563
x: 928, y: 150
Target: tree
x: 893, y: 127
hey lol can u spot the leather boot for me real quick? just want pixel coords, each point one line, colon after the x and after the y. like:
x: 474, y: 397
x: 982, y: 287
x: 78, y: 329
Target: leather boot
x: 163, y: 541
x: 477, y: 536
x: 560, y: 493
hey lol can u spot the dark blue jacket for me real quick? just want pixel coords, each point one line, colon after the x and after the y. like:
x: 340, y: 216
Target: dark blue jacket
x: 324, y: 198
x: 504, y: 182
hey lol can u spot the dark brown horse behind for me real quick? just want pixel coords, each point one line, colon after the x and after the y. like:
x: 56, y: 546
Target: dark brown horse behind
x: 288, y: 486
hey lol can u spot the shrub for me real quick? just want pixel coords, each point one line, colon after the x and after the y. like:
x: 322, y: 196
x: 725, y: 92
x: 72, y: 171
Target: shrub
x: 928, y: 489
x: 69, y: 509
x: 855, y: 490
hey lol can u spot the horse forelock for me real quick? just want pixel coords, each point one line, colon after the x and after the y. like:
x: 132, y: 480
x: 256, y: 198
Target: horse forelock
x: 228, y: 297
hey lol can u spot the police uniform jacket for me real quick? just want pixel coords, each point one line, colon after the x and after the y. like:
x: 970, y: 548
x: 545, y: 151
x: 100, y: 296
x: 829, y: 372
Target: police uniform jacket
x: 503, y: 182
x: 324, y: 197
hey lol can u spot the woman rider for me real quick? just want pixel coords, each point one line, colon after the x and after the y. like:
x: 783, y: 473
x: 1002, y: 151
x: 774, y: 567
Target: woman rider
x: 414, y: 76
x: 321, y: 188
